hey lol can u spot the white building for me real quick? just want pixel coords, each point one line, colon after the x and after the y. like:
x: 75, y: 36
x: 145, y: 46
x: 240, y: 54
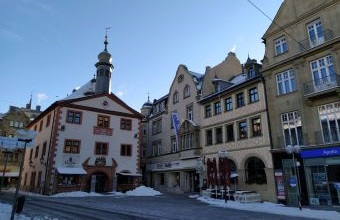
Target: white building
x: 88, y: 141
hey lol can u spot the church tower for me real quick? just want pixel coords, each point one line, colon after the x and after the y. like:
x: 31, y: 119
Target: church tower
x: 104, y: 71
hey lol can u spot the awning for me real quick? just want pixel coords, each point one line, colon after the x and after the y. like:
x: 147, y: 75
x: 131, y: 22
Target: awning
x: 130, y: 174
x: 10, y: 174
x: 71, y: 170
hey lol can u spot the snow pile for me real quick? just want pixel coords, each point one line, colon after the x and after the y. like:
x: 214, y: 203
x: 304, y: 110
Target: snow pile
x: 76, y: 194
x: 273, y: 208
x: 6, y: 211
x: 143, y: 191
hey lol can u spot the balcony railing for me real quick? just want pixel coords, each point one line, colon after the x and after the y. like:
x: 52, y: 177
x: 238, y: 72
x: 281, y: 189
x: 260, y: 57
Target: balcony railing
x: 309, y: 43
x: 321, y: 85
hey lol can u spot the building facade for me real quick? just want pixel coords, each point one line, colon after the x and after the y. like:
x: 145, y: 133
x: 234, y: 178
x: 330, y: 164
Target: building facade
x: 301, y: 66
x: 15, y: 118
x: 88, y: 141
x: 235, y: 122
x: 174, y: 135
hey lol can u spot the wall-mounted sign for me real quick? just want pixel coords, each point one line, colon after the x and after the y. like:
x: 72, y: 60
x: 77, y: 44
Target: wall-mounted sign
x: 322, y: 152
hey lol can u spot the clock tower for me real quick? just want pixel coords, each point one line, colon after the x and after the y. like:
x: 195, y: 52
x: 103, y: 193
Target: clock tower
x: 104, y: 71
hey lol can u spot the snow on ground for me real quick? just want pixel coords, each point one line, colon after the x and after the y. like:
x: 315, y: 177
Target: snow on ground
x: 272, y: 208
x: 267, y: 207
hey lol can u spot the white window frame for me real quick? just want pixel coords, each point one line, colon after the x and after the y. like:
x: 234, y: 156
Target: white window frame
x: 315, y: 33
x: 287, y: 80
x: 329, y: 116
x: 291, y: 121
x: 190, y: 112
x: 280, y: 45
x: 323, y: 74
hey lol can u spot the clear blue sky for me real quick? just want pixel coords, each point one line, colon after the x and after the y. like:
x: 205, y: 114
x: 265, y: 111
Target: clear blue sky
x: 48, y: 48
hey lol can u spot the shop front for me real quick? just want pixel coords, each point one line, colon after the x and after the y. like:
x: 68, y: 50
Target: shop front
x: 322, y: 171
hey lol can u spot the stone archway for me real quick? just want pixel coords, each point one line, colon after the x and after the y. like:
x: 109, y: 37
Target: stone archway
x: 99, y: 175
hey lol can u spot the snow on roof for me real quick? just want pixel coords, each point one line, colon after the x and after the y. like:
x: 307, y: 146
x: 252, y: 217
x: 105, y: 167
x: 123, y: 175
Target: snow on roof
x: 239, y: 79
x: 83, y: 91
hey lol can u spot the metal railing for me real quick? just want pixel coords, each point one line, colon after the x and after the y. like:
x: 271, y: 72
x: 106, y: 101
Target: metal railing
x: 321, y: 85
x: 309, y: 43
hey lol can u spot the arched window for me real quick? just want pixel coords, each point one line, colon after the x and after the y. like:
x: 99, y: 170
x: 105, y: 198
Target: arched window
x: 255, y: 172
x: 186, y: 91
x: 175, y: 97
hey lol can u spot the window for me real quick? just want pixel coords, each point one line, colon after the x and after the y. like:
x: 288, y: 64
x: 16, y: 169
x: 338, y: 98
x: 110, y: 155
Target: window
x: 72, y: 146
x: 255, y: 172
x: 104, y: 121
x: 48, y: 120
x: 126, y: 150
x: 292, y: 128
x: 280, y: 46
x: 189, y: 113
x: 217, y: 87
x: 208, y: 137
x: 44, y: 149
x: 125, y: 124
x: 315, y: 33
x: 228, y: 104
x: 156, y: 148
x: 230, y: 133
x: 41, y: 125
x: 240, y: 100
x: 101, y: 148
x: 36, y: 152
x: 217, y: 108
x: 31, y: 154
x: 330, y: 122
x: 175, y: 97
x: 174, y: 147
x: 73, y: 117
x: 208, y: 111
x: 187, y: 141
x: 286, y: 82
x: 253, y: 95
x: 218, y: 135
x: 256, y: 127
x: 157, y: 126
x: 323, y: 72
x: 186, y: 92
x: 242, y: 129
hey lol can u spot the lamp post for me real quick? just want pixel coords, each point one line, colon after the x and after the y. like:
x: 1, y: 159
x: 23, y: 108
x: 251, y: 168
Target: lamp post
x: 292, y: 149
x: 26, y: 137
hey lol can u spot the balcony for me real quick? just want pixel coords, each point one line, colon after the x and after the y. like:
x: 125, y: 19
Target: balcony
x: 190, y: 153
x: 309, y: 43
x: 322, y: 86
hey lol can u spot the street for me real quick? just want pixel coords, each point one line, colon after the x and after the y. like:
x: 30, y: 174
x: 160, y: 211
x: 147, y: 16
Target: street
x: 167, y: 207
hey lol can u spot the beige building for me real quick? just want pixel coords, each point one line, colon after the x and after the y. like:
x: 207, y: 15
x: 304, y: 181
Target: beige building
x: 173, y: 152
x: 301, y: 66
x: 234, y: 120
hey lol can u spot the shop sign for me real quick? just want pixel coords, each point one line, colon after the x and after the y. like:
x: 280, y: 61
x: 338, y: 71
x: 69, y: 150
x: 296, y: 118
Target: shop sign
x: 326, y: 152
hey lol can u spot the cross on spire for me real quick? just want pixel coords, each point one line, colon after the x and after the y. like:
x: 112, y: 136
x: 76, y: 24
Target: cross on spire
x: 105, y: 42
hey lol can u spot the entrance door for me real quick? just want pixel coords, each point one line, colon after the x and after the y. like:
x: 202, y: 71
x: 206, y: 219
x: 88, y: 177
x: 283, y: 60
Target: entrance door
x: 100, y: 182
x: 333, y: 172
x: 291, y: 181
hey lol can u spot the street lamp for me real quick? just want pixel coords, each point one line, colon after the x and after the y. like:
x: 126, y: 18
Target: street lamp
x: 26, y: 137
x: 292, y: 149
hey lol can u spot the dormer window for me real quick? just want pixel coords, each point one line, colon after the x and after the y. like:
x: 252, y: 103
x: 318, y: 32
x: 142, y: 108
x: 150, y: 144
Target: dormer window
x: 217, y: 86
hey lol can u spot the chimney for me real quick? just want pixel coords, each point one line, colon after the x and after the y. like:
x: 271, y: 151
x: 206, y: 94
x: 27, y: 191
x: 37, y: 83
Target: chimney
x: 38, y: 108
